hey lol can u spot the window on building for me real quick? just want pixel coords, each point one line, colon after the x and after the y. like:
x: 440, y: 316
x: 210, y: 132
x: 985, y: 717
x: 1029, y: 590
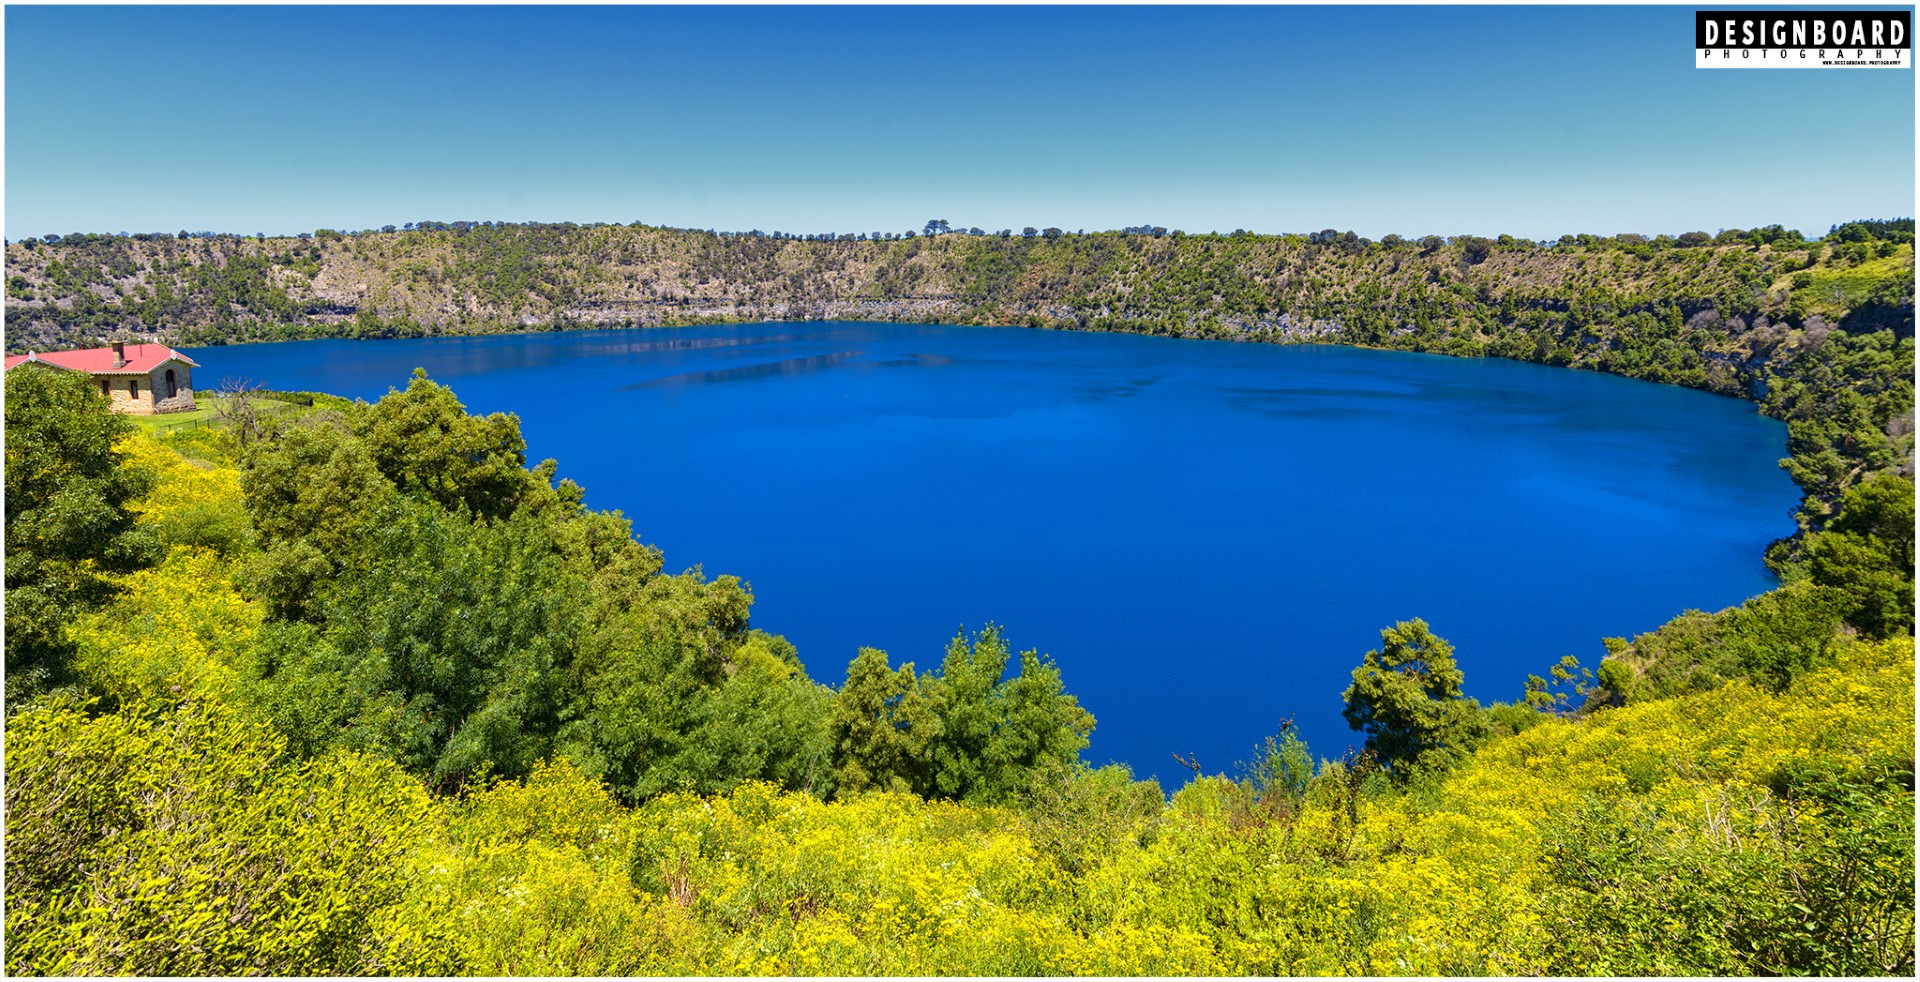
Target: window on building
x: 172, y: 389
x: 134, y: 387
x: 103, y: 388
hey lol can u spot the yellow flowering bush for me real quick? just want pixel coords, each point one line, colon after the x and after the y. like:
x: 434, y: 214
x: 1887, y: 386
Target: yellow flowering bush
x: 179, y: 631
x: 193, y: 502
x: 183, y: 843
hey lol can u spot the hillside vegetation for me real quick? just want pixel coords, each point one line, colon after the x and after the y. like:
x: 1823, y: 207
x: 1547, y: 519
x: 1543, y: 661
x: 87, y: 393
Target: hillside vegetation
x: 351, y: 688
x: 1571, y: 300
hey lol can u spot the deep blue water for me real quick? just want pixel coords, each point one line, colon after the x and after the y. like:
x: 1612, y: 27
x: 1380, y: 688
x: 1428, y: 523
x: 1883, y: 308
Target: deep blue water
x: 1206, y: 536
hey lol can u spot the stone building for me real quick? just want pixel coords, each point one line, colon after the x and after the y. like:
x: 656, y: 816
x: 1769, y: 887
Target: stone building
x: 135, y: 376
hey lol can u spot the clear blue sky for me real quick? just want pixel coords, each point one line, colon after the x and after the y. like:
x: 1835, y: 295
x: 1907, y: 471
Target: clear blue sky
x: 1530, y: 121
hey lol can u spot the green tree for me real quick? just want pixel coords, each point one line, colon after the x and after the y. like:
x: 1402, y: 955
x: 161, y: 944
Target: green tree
x: 968, y: 698
x: 1618, y: 680
x: 1406, y: 698
x: 883, y: 723
x: 1041, y: 732
x: 424, y: 441
x: 310, y: 495
x: 1777, y: 636
x: 766, y: 721
x: 635, y: 709
x: 1866, y: 552
x: 1282, y: 768
x: 67, y: 518
x: 464, y: 630
x: 969, y: 732
x: 659, y: 708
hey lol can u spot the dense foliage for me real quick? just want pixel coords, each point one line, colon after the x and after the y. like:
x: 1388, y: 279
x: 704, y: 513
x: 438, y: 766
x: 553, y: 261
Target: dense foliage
x: 67, y: 520
x: 353, y: 689
x: 969, y: 732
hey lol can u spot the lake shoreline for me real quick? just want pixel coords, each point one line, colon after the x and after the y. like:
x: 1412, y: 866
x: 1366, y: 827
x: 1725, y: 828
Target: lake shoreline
x: 855, y: 433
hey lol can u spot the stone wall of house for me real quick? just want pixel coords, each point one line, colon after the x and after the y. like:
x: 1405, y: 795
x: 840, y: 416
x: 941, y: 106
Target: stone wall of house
x: 128, y: 393
x: 146, y: 395
x: 182, y: 399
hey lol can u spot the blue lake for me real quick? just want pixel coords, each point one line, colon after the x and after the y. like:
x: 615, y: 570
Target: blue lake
x: 1205, y: 536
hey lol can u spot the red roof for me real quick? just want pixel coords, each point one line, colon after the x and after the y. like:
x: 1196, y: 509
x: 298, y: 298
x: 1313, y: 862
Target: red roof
x: 141, y: 359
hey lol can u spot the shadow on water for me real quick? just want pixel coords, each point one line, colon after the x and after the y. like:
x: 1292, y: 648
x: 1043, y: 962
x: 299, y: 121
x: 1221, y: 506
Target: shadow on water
x: 1480, y: 408
x: 683, y: 344
x: 917, y: 360
x: 747, y: 373
x: 1118, y: 389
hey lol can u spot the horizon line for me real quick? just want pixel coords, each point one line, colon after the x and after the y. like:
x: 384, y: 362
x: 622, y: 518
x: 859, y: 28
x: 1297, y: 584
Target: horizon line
x: 1154, y: 231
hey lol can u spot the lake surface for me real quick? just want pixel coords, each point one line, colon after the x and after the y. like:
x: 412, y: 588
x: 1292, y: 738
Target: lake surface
x: 1206, y: 536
